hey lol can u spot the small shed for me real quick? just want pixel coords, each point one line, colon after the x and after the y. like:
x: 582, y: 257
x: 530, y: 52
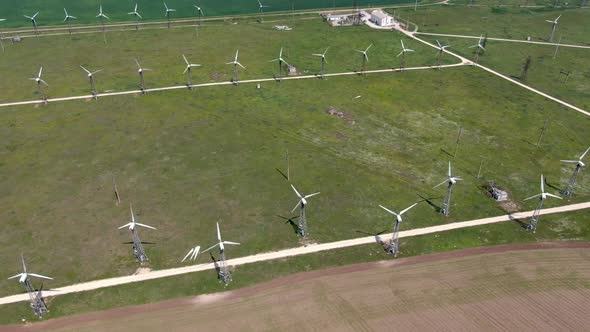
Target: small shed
x: 381, y: 18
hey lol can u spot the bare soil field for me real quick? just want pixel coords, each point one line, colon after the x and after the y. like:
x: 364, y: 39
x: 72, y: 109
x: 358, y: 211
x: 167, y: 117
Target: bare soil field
x: 520, y: 287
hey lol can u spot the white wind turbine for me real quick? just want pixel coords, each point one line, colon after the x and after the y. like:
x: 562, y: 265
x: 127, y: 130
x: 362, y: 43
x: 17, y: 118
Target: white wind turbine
x: 480, y: 48
x: 33, y: 21
x: 393, y: 245
x: 199, y: 14
x: 131, y: 225
x: 168, y: 11
x: 235, y: 63
x: 23, y: 277
x: 451, y: 181
x: 280, y: 61
x: 102, y: 17
x: 140, y: 71
x: 403, y: 54
x: 579, y: 165
x: 542, y: 197
x: 261, y: 11
x: 324, y: 61
x: 68, y: 20
x: 188, y: 70
x: 302, y: 203
x: 365, y: 58
x: 91, y: 78
x: 553, y: 27
x: 224, y: 274
x: 138, y: 250
x: 441, y: 49
x: 137, y: 17
x: 40, y: 81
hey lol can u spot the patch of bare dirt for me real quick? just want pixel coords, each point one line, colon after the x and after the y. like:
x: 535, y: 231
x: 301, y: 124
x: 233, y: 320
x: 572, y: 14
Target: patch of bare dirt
x: 343, y: 115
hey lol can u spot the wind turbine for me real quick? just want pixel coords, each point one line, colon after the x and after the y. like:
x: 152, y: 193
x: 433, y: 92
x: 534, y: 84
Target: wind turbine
x: 236, y: 64
x: 302, y: 203
x: 393, y: 245
x: 324, y: 61
x: 199, y: 14
x: 441, y: 49
x: 138, y: 250
x: 137, y: 17
x: 365, y: 58
x: 479, y: 48
x: 403, y: 55
x: 579, y: 165
x: 224, y: 274
x: 91, y: 78
x: 34, y: 21
x: 1, y: 43
x: 68, y: 19
x: 102, y: 17
x: 261, y: 11
x: 23, y: 277
x: 281, y: 61
x: 39, y: 80
x: 553, y: 27
x: 188, y: 70
x: 140, y: 71
x: 542, y: 197
x: 168, y: 11
x: 451, y: 180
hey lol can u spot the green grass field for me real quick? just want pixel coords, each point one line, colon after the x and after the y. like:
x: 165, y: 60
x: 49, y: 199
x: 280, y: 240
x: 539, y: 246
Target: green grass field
x: 188, y: 159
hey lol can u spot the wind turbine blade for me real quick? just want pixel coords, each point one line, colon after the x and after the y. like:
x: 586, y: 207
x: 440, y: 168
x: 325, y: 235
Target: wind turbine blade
x: 106, y: 17
x: 285, y: 62
x: 232, y: 243
x: 296, y: 205
x: 584, y: 154
x: 185, y: 60
x: 22, y: 258
x: 97, y: 71
x: 450, y: 173
x: 557, y: 19
x: 230, y: 63
x: 237, y: 52
x: 86, y: 70
x: 474, y: 46
x: 537, y: 195
x: 406, y: 210
x: 438, y: 43
x: 403, y: 47
x: 213, y: 246
x: 28, y: 17
x: 281, y: 53
x: 42, y: 81
x: 274, y: 60
x: 239, y: 64
x: 74, y: 17
x: 137, y: 62
x: 144, y: 225
x: 40, y: 72
x: 186, y: 69
x: 368, y: 47
x: 555, y: 196
x: 310, y: 195
x: 548, y: 21
x: 570, y: 161
x: 440, y: 184
x: 40, y: 276
x: 296, y: 192
x: 542, y: 183
x: 400, y: 53
x: 388, y: 210
x: 326, y: 51
x: 189, y: 253
x: 483, y: 48
x: 409, y: 50
x: 138, y: 15
x: 317, y: 54
x: 126, y: 225
x: 16, y: 276
x: 37, y: 13
x: 218, y: 233
x: 135, y: 10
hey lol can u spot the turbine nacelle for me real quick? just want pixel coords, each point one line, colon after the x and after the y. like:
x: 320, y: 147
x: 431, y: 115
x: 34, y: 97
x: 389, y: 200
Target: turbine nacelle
x: 302, y: 198
x: 221, y: 244
x: 398, y: 216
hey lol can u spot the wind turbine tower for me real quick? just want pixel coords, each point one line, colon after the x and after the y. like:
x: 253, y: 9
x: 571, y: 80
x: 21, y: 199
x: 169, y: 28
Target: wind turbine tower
x: 579, y: 165
x: 137, y: 17
x: 187, y: 70
x: 39, y: 82
x: 236, y: 64
x: 324, y: 61
x: 68, y: 19
x: 553, y: 27
x: 137, y: 245
x: 33, y: 21
x: 365, y: 58
x: 37, y: 304
x: 168, y: 11
x: 261, y: 11
x: 140, y: 71
x: 199, y: 14
x: 451, y: 180
x: 1, y: 43
x: 479, y: 49
x: 102, y: 17
x: 280, y: 61
x: 441, y: 49
x: 542, y: 197
x: 302, y: 227
x: 405, y: 50
x: 91, y: 78
x: 223, y: 272
x: 394, y: 244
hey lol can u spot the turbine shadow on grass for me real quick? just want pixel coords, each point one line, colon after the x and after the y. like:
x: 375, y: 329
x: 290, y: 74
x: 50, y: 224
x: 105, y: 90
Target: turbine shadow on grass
x: 283, y: 174
x: 217, y: 268
x: 291, y: 222
x: 142, y: 242
x: 378, y: 239
x: 560, y: 190
x: 445, y: 151
x: 432, y: 205
x: 519, y: 222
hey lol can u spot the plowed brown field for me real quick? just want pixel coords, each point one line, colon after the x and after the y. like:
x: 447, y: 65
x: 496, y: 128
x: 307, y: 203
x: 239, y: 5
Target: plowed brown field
x: 538, y: 287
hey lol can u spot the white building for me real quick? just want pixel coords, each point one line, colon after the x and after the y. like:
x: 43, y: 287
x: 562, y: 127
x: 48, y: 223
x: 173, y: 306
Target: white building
x: 380, y: 18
